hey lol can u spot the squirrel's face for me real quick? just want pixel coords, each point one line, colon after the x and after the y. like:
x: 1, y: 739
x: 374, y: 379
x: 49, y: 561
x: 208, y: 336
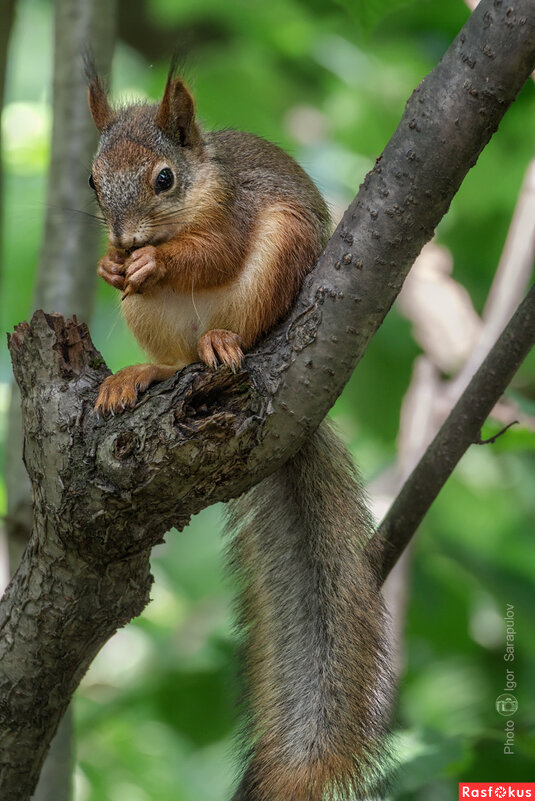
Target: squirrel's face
x: 143, y: 194
x: 149, y: 164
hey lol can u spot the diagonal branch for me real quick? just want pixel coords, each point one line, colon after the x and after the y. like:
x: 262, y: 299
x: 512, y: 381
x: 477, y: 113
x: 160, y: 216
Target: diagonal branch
x: 461, y: 429
x: 106, y: 491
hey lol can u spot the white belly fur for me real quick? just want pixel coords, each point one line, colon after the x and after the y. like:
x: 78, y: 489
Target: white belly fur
x: 168, y: 325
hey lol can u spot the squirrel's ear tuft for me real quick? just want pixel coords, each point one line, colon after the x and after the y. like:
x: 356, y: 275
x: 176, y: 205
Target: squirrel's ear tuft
x: 176, y: 113
x: 99, y: 106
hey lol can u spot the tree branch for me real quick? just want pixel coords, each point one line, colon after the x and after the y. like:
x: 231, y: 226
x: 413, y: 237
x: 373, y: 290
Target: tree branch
x: 106, y: 491
x: 461, y: 429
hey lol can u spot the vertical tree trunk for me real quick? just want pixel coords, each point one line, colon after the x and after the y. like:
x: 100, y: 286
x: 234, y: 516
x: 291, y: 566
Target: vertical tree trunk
x: 66, y: 276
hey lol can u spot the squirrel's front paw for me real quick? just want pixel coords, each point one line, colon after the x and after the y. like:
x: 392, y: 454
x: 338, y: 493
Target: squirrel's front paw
x: 221, y: 345
x: 143, y: 270
x: 111, y: 268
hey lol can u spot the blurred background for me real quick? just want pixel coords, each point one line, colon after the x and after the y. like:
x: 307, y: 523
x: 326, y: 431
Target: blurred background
x: 155, y: 716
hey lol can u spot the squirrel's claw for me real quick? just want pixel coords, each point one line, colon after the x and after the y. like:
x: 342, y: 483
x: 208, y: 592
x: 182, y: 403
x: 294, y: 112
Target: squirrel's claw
x: 127, y: 291
x: 117, y: 392
x: 219, y: 345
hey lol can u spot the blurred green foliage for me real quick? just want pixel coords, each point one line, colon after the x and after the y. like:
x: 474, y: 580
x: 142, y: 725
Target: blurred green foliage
x: 328, y: 81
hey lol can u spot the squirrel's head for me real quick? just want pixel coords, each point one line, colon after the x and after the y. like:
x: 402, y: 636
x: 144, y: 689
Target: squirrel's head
x: 149, y: 163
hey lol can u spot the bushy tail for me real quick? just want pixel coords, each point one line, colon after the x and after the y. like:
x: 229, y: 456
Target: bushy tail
x: 317, y: 673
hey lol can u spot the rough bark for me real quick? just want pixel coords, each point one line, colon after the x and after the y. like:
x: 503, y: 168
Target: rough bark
x: 107, y: 490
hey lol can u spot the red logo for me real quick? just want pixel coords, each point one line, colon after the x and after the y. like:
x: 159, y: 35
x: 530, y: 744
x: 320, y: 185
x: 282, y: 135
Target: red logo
x: 498, y: 790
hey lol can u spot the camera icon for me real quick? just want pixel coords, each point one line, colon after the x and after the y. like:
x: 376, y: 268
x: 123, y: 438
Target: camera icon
x: 506, y: 705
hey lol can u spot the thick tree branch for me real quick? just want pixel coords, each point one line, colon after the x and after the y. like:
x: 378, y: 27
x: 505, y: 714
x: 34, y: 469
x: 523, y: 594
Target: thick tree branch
x: 106, y: 491
x: 461, y: 429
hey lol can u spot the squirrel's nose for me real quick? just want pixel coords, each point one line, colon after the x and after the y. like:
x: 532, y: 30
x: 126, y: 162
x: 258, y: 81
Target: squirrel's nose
x: 122, y: 240
x: 126, y: 242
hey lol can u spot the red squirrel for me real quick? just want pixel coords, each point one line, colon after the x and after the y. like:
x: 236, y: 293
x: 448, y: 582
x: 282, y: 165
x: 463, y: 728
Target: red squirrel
x: 210, y: 237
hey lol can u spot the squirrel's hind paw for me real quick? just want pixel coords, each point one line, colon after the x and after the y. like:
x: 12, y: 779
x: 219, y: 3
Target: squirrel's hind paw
x: 115, y: 395
x: 120, y: 391
x: 219, y: 345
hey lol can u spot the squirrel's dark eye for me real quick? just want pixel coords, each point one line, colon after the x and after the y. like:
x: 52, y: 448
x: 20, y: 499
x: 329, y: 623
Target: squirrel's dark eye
x: 164, y: 180
x: 90, y: 181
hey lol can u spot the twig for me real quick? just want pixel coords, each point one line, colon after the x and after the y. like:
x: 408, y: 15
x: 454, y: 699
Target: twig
x: 492, y: 440
x: 460, y: 430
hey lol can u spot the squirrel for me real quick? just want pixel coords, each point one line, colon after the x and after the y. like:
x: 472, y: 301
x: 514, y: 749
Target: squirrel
x: 210, y: 237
